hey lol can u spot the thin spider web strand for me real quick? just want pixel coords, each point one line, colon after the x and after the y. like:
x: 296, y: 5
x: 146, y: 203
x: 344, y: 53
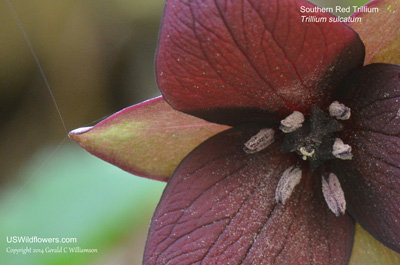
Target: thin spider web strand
x: 20, y: 26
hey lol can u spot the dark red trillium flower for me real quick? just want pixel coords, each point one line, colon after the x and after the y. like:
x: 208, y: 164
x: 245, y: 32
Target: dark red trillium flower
x: 314, y: 144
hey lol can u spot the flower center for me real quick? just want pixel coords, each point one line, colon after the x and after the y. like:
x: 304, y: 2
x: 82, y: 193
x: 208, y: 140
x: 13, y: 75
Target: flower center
x: 313, y: 138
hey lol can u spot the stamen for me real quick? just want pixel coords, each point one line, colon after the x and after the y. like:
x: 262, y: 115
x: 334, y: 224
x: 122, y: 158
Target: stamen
x: 260, y: 141
x: 339, y: 111
x: 289, y: 180
x: 341, y: 150
x: 333, y: 194
x: 292, y: 122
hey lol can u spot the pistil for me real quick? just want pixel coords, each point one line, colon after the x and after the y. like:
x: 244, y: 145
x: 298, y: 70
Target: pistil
x: 313, y: 138
x: 306, y: 153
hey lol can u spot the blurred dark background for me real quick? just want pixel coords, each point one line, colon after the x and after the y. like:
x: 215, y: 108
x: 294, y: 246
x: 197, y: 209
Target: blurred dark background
x: 98, y: 57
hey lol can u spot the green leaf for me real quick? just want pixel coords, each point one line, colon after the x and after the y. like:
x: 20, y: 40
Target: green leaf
x: 368, y: 251
x: 149, y: 139
x: 380, y: 31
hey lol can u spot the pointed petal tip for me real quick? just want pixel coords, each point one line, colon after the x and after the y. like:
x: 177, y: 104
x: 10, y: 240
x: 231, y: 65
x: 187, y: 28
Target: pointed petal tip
x: 133, y: 137
x: 74, y: 133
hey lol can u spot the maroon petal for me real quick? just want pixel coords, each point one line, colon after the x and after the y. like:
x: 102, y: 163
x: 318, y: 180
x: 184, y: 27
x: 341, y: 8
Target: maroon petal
x: 371, y: 181
x: 251, y: 58
x: 219, y: 208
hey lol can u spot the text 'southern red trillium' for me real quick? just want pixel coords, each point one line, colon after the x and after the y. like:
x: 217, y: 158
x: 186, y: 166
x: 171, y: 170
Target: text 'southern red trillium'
x: 244, y: 61
x: 249, y: 64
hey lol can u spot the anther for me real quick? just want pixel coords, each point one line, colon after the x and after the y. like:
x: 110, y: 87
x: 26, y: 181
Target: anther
x: 333, y: 194
x: 289, y: 180
x: 341, y: 150
x: 339, y: 111
x: 292, y: 122
x: 260, y: 141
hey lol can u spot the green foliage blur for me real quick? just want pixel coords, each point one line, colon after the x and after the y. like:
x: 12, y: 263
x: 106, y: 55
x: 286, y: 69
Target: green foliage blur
x: 69, y: 194
x: 98, y: 57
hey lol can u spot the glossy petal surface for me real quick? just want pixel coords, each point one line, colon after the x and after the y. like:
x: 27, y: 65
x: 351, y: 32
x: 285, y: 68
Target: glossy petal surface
x: 148, y: 139
x: 371, y: 180
x: 219, y: 208
x: 240, y: 61
x: 382, y: 46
